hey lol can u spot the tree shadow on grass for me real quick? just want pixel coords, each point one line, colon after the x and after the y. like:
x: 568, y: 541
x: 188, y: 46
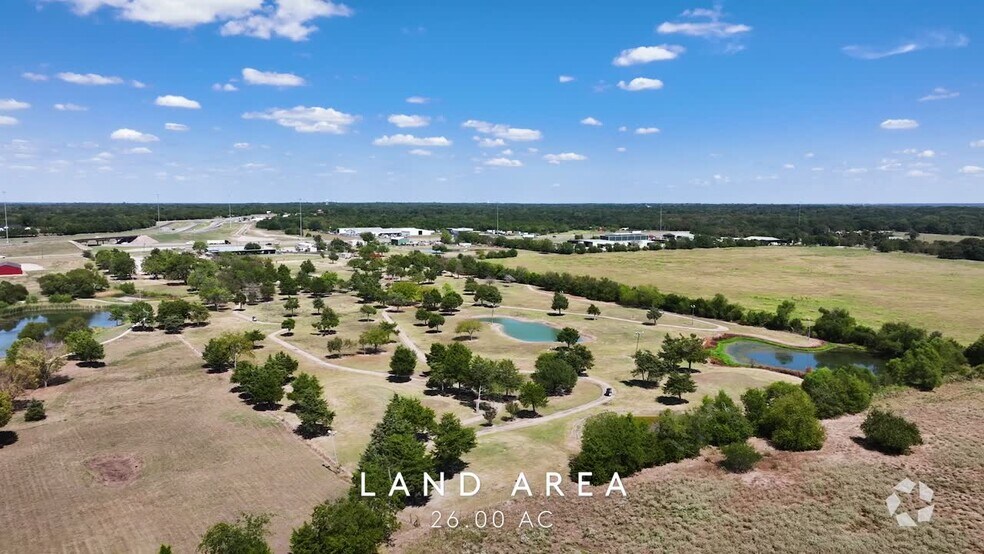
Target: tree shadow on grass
x: 59, y: 379
x: 95, y: 364
x: 398, y: 378
x: 867, y: 445
x: 527, y: 414
x: 641, y: 383
x: 670, y: 400
x: 555, y: 314
x: 8, y: 438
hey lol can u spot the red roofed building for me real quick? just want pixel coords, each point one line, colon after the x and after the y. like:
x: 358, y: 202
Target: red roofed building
x: 10, y: 268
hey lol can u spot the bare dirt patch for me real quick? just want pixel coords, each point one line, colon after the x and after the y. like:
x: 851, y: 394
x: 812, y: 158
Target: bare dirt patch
x: 115, y: 469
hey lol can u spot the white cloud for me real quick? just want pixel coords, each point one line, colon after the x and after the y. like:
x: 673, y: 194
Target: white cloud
x: 504, y: 162
x: 565, y: 79
x: 70, y: 108
x: 623, y: 129
x: 410, y: 140
x: 403, y: 121
x: 972, y: 170
x: 809, y: 155
x: 855, y: 171
x: 256, y: 18
x: 647, y: 130
x: 172, y: 101
x: 241, y: 146
x: 139, y: 150
x: 36, y: 77
x: 177, y: 127
x: 564, y: 157
x: 899, y: 124
x: 620, y: 149
x: 926, y: 154
x: 418, y: 100
x: 133, y: 136
x: 977, y: 144
x: 646, y: 54
x: 591, y: 121
x: 502, y: 131
x: 641, y: 83
x: 344, y: 170
x: 420, y: 152
x: 485, y: 142
x: 7, y: 120
x: 89, y: 79
x: 713, y: 27
x: 938, y: 39
x: 257, y: 77
x: 788, y: 166
x: 918, y: 173
x: 227, y: 87
x: 137, y: 84
x: 9, y: 104
x: 939, y: 93
x: 308, y: 120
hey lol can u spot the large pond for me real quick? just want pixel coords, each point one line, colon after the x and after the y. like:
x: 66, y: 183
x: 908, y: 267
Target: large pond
x: 10, y: 327
x: 754, y: 353
x: 521, y: 329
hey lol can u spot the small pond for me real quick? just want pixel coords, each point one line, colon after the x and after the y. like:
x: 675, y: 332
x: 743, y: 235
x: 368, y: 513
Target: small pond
x: 754, y: 353
x: 10, y: 327
x: 520, y: 329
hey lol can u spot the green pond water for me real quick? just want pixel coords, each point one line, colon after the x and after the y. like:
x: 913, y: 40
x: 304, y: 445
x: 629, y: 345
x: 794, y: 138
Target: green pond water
x: 528, y: 331
x: 754, y: 353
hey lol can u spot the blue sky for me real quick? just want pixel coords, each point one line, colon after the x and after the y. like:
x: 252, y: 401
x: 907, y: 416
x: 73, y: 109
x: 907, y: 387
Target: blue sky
x: 517, y: 101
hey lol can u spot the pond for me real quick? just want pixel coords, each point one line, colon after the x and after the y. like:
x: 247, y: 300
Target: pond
x: 10, y: 327
x: 754, y: 353
x: 521, y: 329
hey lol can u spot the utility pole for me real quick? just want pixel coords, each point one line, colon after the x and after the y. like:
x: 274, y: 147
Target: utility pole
x: 637, y: 334
x: 6, y: 227
x: 300, y: 225
x: 158, y: 208
x: 661, y: 217
x: 497, y: 220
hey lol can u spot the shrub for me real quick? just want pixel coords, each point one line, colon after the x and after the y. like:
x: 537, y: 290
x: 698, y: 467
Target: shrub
x: 6, y: 408
x: 719, y: 421
x: 793, y: 422
x: 610, y: 444
x: 838, y: 391
x: 889, y: 433
x: 60, y: 298
x: 35, y: 411
x: 739, y: 457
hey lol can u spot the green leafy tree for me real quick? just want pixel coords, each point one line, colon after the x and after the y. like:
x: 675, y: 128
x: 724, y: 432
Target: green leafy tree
x: 679, y: 383
x: 345, y: 526
x: 6, y: 408
x: 890, y: 433
x: 328, y: 321
x: 612, y: 443
x: 288, y: 325
x: 559, y: 303
x: 254, y: 336
x: 739, y: 457
x: 920, y: 367
x: 653, y: 314
x: 468, y: 327
x: 451, y: 301
x: 533, y: 395
x: 790, y: 421
x: 975, y: 352
x: 291, y: 305
x: 452, y: 441
x: 435, y: 321
x: 368, y: 312
x: 554, y: 374
x: 373, y: 338
x: 119, y: 314
x: 431, y: 299
x: 844, y: 390
x: 719, y: 421
x: 246, y: 536
x: 403, y: 362
x: 34, y: 411
x: 578, y: 357
x: 594, y: 311
x: 650, y: 367
x: 85, y: 347
x: 35, y: 330
x: 319, y: 304
x: 569, y: 336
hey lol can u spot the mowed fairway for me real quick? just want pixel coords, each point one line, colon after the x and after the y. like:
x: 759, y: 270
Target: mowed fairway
x: 944, y: 295
x: 201, y: 456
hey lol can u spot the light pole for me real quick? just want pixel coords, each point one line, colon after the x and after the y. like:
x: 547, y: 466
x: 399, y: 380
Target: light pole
x: 637, y: 334
x: 693, y: 308
x: 334, y: 449
x: 300, y: 224
x: 6, y: 227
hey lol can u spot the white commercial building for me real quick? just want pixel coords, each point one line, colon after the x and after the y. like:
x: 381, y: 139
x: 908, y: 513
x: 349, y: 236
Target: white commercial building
x: 386, y: 232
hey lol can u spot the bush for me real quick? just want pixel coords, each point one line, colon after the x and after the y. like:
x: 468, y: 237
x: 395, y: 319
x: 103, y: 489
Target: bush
x: 60, y: 298
x: 610, y: 444
x: 889, y: 433
x: 739, y: 457
x: 719, y: 421
x: 784, y: 414
x: 844, y: 390
x: 35, y: 411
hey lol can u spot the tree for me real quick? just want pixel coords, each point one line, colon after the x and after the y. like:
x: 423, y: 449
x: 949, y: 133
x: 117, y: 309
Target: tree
x: 452, y: 441
x: 532, y: 394
x: 435, y: 321
x: 594, y: 311
x: 489, y: 413
x: 329, y: 320
x: 844, y: 390
x: 346, y: 525
x: 198, y: 314
x: 254, y: 336
x: 451, y: 301
x: 920, y: 367
x: 739, y: 457
x: 6, y: 408
x: 890, y: 433
x: 834, y: 325
x: 142, y: 314
x: 310, y: 406
x: 335, y: 346
x: 488, y: 295
x: 291, y: 305
x: 35, y: 330
x: 119, y: 314
x: 41, y: 359
x: 790, y: 420
x: 578, y: 356
x: 653, y: 314
x: 368, y: 312
x: 84, y: 346
x: 264, y: 384
x: 226, y: 350
x: 559, y: 303
x: 679, y: 383
x: 200, y: 247
x: 422, y: 315
x: 554, y: 374
x: 975, y: 352
x: 468, y: 327
x: 650, y: 367
x: 612, y: 443
x: 246, y: 536
x: 319, y: 304
x: 719, y: 421
x: 403, y: 362
x: 34, y: 411
x: 374, y: 338
x: 569, y: 336
x: 431, y: 299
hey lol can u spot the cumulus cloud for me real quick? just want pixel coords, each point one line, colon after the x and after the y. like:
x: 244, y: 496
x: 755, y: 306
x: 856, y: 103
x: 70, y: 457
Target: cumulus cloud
x: 591, y: 121
x: 641, y: 83
x: 855, y: 171
x: 270, y: 78
x: 227, y: 87
x: 646, y: 54
x: 620, y: 149
x: 241, y: 146
x: 9, y: 104
x: 485, y: 142
x: 503, y: 162
x: 289, y: 19
x: 556, y: 159
x: 139, y: 150
x: 172, y: 101
x: 704, y: 23
x: 939, y: 93
x: 565, y: 79
x: 899, y: 124
x: 504, y: 132
x: 93, y: 79
x: 977, y: 144
x: 420, y: 152
x: 132, y: 135
x: 410, y: 140
x: 403, y: 121
x: 307, y: 120
x: 70, y: 108
x: 176, y: 127
x: 36, y: 77
x: 938, y: 39
x: 418, y: 100
x: 972, y: 170
x: 7, y: 120
x: 647, y: 130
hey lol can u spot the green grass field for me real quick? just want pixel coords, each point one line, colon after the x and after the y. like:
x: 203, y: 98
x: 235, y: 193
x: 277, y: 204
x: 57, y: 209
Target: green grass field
x: 943, y: 295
